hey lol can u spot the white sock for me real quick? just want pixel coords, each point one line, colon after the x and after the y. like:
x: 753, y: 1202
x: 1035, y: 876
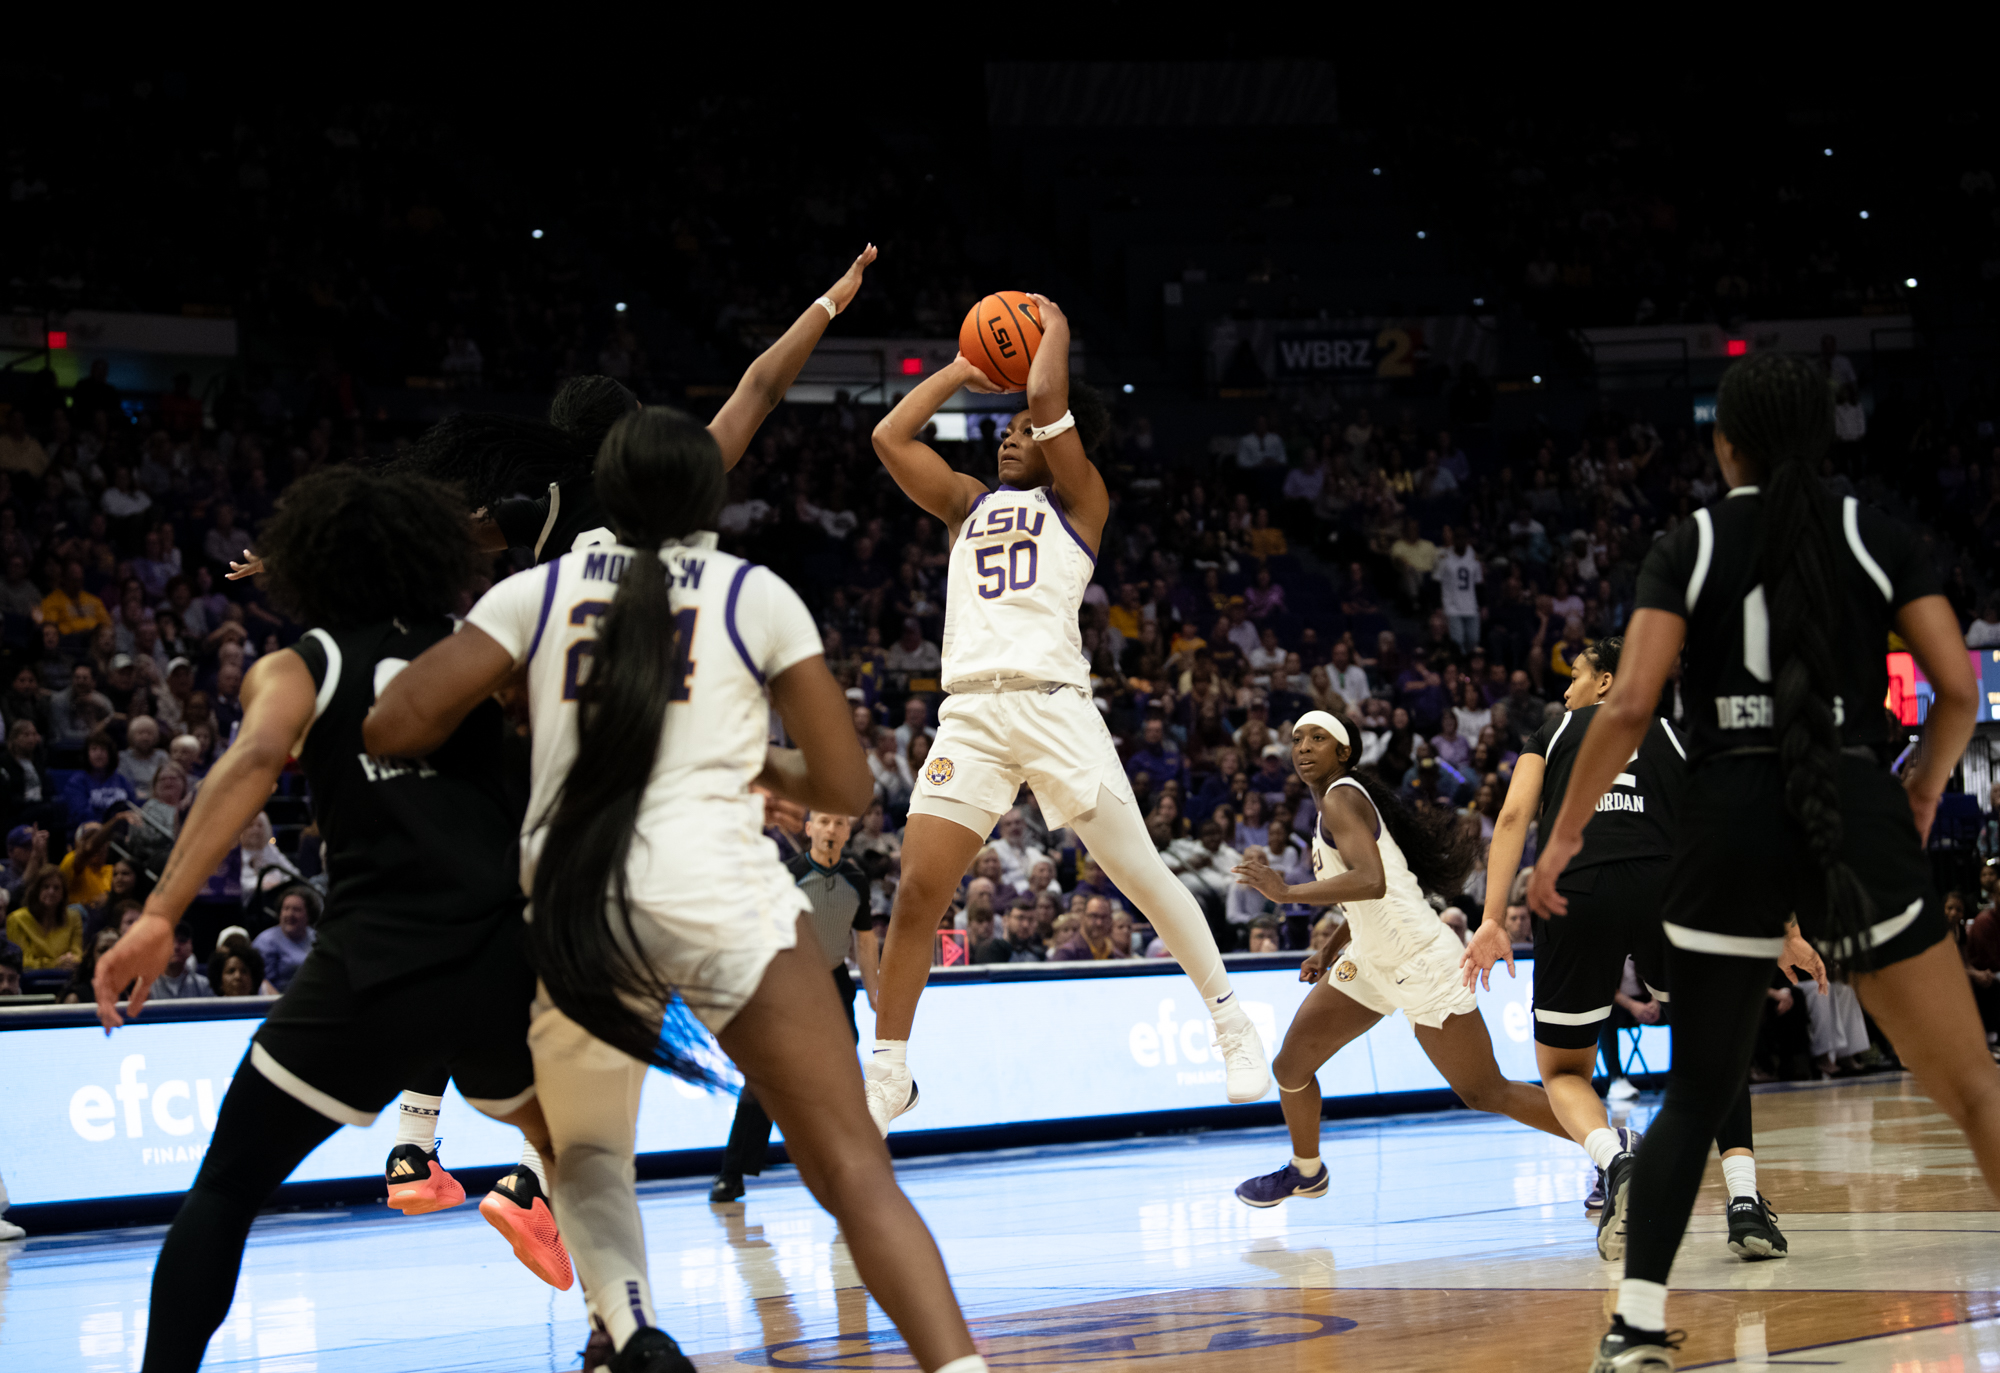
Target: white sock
x: 1740, y: 1173
x: 1226, y: 1009
x: 892, y: 1053
x: 1642, y: 1305
x: 969, y: 1363
x: 531, y: 1159
x: 417, y: 1119
x: 628, y: 1311
x: 1602, y: 1146
x: 1309, y: 1167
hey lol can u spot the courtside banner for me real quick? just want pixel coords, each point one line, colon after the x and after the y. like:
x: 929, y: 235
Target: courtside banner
x: 89, y: 1116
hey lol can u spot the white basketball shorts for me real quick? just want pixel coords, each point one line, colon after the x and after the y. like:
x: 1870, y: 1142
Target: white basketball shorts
x: 989, y: 743
x: 1426, y: 987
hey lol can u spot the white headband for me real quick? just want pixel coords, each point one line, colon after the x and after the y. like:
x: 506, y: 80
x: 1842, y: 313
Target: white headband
x: 1326, y: 722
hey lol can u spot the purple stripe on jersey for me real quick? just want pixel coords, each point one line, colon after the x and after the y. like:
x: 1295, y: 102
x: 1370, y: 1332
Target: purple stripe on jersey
x: 729, y: 621
x: 1056, y: 502
x: 973, y: 509
x: 548, y: 599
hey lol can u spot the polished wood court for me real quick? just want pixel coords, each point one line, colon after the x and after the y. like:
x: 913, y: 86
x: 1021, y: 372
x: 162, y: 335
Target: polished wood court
x: 1448, y: 1241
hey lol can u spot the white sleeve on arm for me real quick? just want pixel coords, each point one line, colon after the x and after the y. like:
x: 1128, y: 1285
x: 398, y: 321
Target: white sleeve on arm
x: 778, y: 631
x: 511, y: 612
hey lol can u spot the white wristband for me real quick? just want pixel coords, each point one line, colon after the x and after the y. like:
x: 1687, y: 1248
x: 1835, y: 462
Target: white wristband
x: 826, y: 303
x: 1049, y: 431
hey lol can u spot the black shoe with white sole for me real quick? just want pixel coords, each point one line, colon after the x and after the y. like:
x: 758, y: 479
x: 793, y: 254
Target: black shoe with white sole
x: 1753, y: 1230
x: 1625, y: 1350
x: 1611, y: 1222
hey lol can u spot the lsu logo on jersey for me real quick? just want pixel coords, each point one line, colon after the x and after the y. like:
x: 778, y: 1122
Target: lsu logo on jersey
x: 1346, y: 971
x: 938, y: 771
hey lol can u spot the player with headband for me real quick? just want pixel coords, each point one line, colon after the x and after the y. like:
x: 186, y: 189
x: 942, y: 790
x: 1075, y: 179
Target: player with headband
x: 1374, y: 857
x: 1019, y: 706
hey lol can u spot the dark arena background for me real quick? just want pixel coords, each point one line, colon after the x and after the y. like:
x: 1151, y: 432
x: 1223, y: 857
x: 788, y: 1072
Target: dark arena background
x: 1410, y: 362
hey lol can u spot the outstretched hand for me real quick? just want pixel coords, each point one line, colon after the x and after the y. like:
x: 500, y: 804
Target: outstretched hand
x: 251, y: 566
x: 1256, y: 873
x: 842, y: 292
x: 139, y: 956
x: 1050, y: 312
x: 1489, y: 945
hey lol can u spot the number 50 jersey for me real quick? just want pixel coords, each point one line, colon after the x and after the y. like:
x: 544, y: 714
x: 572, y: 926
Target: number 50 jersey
x: 700, y: 830
x: 1017, y: 576
x: 1635, y: 818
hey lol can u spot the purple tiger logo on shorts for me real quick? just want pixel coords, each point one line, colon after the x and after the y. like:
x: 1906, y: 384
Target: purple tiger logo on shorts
x: 938, y: 771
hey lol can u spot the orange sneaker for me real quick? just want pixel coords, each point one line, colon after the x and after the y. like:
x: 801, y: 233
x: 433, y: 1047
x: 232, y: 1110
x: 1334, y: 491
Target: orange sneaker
x: 518, y: 1210
x: 418, y: 1183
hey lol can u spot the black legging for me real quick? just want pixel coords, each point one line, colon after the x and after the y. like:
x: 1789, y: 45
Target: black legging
x: 261, y: 1135
x: 1717, y: 1002
x: 1735, y: 1131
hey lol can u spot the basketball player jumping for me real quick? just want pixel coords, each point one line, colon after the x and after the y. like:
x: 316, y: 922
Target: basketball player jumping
x: 1373, y: 857
x: 1614, y: 888
x: 1019, y: 707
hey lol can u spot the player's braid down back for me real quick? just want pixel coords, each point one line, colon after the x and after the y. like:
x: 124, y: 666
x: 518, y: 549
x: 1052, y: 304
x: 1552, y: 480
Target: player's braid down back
x: 1777, y: 412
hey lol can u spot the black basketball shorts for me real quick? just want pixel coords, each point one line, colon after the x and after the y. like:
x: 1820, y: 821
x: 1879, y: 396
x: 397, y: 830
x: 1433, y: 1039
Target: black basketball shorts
x: 1742, y: 866
x: 1614, y: 913
x: 348, y: 1053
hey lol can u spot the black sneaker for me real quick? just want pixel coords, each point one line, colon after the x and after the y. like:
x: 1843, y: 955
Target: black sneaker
x: 726, y: 1187
x: 1611, y: 1222
x: 652, y: 1351
x: 1753, y: 1230
x: 598, y: 1352
x: 1625, y: 1350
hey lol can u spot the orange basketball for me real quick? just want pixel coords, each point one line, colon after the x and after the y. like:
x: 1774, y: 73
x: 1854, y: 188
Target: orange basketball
x: 1000, y: 335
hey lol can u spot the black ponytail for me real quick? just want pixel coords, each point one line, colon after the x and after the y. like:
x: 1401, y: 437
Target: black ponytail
x: 1777, y: 413
x: 585, y: 408
x: 659, y: 477
x: 490, y: 457
x: 1437, y: 849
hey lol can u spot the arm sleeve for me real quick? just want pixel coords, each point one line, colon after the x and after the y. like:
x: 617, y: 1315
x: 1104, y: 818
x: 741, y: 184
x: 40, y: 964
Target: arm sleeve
x: 1900, y: 554
x: 776, y: 629
x: 1663, y: 576
x: 511, y: 612
x: 521, y: 519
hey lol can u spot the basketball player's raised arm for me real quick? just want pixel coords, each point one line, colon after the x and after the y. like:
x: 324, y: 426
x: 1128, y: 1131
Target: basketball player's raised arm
x: 1489, y: 943
x: 1077, y: 481
x: 767, y: 380
x: 827, y: 771
x: 1652, y: 646
x: 924, y: 476
x: 431, y: 697
x: 1929, y: 627
x: 278, y: 696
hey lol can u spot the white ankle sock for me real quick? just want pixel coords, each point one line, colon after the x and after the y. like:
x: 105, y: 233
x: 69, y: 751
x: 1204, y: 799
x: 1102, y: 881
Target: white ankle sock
x: 1602, y: 1146
x: 892, y: 1052
x: 1642, y: 1305
x: 970, y: 1363
x: 628, y: 1311
x: 1308, y: 1167
x: 1740, y: 1174
x: 417, y: 1119
x: 531, y: 1159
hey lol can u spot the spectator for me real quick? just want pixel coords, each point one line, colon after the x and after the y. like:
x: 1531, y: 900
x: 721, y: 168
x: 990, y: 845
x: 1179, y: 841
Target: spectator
x: 19, y: 596
x: 1459, y: 574
x: 27, y: 853
x: 99, y: 788
x: 1093, y: 936
x: 1346, y: 675
x: 912, y: 655
x: 78, y: 988
x: 915, y: 713
x: 183, y: 978
x: 27, y: 792
x: 71, y: 711
x: 893, y: 779
x: 1262, y: 936
x: 47, y: 924
x: 1416, y: 559
x: 1984, y: 632
x: 1018, y: 943
x: 72, y: 610
x: 21, y: 453
x: 1122, y: 932
x: 1018, y: 854
x: 1204, y: 866
x: 141, y: 761
x: 237, y: 969
x: 1260, y: 447
x: 1449, y: 745
x: 1157, y: 756
x: 285, y: 945
x: 84, y: 869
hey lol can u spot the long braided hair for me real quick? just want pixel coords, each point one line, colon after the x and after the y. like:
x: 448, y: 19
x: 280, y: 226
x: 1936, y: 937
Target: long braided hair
x: 1777, y: 413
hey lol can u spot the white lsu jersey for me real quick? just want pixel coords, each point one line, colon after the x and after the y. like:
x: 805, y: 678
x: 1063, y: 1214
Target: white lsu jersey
x: 1017, y: 576
x: 700, y: 830
x: 1398, y: 924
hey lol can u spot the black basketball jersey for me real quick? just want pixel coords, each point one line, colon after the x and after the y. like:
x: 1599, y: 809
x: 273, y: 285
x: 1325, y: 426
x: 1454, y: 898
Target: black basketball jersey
x: 421, y: 853
x: 1635, y: 818
x: 1706, y: 572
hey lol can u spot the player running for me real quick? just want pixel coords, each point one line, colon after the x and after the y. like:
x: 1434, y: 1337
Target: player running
x: 1614, y: 888
x: 653, y: 665
x: 1018, y: 706
x: 1783, y: 595
x: 419, y: 962
x: 1373, y: 857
